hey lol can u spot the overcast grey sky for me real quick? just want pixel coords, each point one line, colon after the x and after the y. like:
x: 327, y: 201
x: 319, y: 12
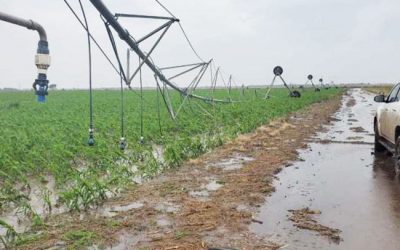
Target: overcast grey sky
x: 340, y: 40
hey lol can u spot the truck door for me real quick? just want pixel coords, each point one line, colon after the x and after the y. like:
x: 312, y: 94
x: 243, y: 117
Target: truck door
x: 386, y: 120
x: 393, y: 118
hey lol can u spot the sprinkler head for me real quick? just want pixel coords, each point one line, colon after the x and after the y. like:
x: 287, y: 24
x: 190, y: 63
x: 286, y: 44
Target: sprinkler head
x: 141, y: 140
x: 122, y: 143
x: 41, y: 99
x: 91, y: 141
x: 41, y: 86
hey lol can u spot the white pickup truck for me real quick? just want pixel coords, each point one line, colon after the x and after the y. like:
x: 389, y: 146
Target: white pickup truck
x: 387, y: 123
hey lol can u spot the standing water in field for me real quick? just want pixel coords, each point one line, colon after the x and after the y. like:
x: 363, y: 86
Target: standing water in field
x: 343, y: 183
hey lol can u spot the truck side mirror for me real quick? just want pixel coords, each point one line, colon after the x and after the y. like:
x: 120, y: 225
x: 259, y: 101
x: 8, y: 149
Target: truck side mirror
x: 379, y: 98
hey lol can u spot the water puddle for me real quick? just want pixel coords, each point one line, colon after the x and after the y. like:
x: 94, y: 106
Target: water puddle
x: 167, y: 207
x: 355, y: 191
x: 114, y: 210
x: 202, y: 195
x: 213, y: 185
x: 163, y: 222
x: 126, y: 241
x: 235, y: 163
x: 42, y: 200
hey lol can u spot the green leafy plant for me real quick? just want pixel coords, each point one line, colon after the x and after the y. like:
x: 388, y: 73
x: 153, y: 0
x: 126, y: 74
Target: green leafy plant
x: 11, y: 234
x: 79, y: 238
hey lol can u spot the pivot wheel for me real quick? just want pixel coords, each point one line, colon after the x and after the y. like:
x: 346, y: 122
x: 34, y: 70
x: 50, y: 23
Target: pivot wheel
x: 295, y: 94
x: 378, y: 147
x: 397, y: 155
x: 317, y: 90
x: 278, y: 71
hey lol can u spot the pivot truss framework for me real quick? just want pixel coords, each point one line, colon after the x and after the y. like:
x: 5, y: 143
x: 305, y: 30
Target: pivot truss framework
x: 111, y: 21
x: 163, y: 83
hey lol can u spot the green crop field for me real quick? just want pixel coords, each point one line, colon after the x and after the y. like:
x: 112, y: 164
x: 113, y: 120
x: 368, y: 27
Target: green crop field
x: 41, y: 143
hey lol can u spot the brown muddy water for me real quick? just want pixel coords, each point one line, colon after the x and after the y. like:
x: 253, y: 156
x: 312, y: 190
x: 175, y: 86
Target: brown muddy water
x: 356, y: 191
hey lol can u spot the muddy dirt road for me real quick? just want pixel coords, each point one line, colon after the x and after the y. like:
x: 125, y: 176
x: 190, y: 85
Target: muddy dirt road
x: 345, y: 185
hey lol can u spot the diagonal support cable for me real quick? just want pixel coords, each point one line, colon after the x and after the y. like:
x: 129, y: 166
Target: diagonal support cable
x: 115, y: 49
x: 196, y: 81
x: 270, y: 88
x: 169, y: 109
x: 91, y: 36
x: 214, y: 83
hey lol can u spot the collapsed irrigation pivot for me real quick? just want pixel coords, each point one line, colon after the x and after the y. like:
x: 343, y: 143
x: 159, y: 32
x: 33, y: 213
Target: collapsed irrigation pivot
x: 163, y: 83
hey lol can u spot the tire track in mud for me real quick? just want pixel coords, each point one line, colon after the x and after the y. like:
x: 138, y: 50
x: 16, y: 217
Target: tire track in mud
x: 207, y: 203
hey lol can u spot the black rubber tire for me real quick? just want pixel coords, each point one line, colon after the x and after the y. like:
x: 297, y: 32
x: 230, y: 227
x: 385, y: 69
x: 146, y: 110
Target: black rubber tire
x: 317, y: 90
x: 397, y: 156
x: 378, y: 147
x: 295, y: 94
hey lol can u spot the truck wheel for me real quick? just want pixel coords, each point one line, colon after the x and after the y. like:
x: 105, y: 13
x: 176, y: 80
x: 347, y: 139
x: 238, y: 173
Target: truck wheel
x: 379, y: 148
x: 397, y: 155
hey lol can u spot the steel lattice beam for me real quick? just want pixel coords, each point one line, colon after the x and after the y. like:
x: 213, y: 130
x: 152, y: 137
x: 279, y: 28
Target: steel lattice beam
x: 125, y: 36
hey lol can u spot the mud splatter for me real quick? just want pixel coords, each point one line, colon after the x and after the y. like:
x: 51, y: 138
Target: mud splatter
x: 304, y: 219
x: 351, y: 102
x: 358, y: 129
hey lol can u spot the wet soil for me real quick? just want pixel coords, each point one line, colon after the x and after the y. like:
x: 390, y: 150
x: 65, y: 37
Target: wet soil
x: 353, y: 190
x: 207, y: 203
x: 305, y: 219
